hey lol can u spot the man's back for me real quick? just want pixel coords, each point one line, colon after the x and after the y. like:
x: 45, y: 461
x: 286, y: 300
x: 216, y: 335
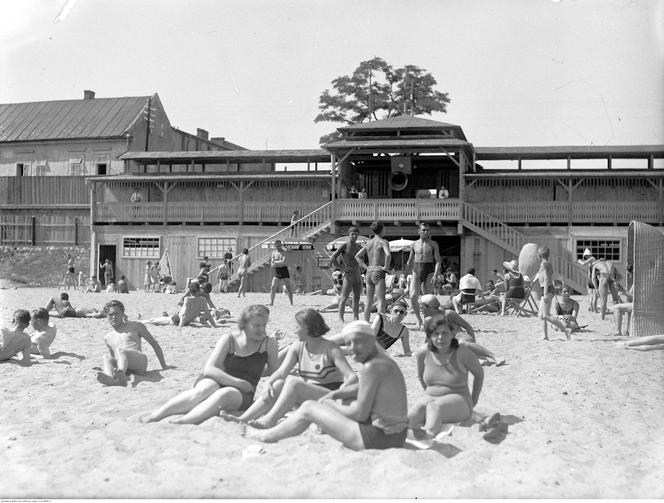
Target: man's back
x: 376, y: 251
x: 390, y: 408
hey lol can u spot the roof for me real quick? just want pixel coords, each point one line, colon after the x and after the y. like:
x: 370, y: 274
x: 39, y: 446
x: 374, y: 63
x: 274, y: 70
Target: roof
x: 573, y: 152
x: 211, y: 156
x: 398, y: 122
x: 565, y: 173
x: 193, y: 177
x: 397, y: 144
x: 69, y: 119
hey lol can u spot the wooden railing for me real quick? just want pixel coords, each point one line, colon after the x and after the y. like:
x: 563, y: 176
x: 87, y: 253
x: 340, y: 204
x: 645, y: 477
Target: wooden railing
x: 576, y: 212
x: 397, y: 209
x: 43, y: 190
x: 305, y: 228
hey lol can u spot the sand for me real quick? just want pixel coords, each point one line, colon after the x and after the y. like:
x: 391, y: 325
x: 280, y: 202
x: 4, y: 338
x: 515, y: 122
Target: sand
x: 584, y: 421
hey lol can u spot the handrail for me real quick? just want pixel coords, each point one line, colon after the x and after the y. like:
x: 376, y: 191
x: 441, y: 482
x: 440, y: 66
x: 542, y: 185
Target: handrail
x: 305, y: 226
x: 514, y: 239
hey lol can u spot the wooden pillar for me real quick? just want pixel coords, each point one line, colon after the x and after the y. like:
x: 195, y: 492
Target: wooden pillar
x: 660, y: 199
x: 608, y: 162
x: 75, y: 231
x: 33, y: 230
x: 462, y: 188
x: 93, y: 235
x: 570, y: 217
x: 241, y: 203
x: 333, y: 163
x: 165, y: 204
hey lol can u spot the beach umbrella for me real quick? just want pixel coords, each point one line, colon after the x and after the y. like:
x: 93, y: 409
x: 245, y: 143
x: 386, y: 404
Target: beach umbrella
x: 529, y: 261
x: 333, y: 245
x: 401, y: 245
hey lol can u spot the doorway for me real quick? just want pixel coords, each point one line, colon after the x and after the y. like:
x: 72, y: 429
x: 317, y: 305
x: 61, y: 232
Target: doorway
x: 106, y: 252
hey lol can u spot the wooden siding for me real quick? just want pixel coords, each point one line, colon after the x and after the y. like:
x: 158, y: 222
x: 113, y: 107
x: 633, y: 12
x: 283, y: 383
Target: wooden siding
x: 46, y: 229
x: 43, y: 190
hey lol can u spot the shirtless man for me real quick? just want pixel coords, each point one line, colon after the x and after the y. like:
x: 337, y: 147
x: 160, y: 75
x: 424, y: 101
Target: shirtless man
x: 604, y: 274
x: 70, y: 278
x: 194, y: 306
x: 378, y: 251
x: 43, y: 334
x: 376, y: 417
x: 424, y: 262
x: 279, y: 263
x: 548, y: 291
x: 124, y: 346
x: 352, y: 277
x: 462, y: 330
x: 66, y: 310
x: 589, y: 260
x: 14, y: 340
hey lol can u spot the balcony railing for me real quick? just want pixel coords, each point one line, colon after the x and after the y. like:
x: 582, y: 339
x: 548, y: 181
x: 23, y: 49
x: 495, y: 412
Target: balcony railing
x: 397, y: 209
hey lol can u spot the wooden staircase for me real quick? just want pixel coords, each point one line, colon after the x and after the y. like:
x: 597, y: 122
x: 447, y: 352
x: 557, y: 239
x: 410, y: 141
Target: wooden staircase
x: 307, y: 228
x: 491, y: 228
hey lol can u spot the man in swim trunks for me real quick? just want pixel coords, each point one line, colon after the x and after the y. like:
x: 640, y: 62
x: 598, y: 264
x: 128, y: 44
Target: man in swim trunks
x: 545, y: 277
x: 66, y: 310
x: 14, y: 340
x: 124, y: 346
x: 378, y: 251
x: 280, y: 275
x: 194, y: 306
x: 424, y: 262
x: 589, y: 260
x: 376, y: 417
x: 70, y: 279
x: 352, y: 277
x: 604, y: 274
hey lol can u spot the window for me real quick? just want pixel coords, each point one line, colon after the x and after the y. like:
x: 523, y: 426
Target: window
x: 215, y: 247
x: 608, y: 249
x: 142, y: 247
x: 76, y: 166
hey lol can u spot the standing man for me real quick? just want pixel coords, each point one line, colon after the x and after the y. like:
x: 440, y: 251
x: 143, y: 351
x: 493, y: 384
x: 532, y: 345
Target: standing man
x: 589, y: 260
x: 604, y: 274
x: 545, y: 277
x: 378, y: 251
x: 280, y: 275
x: 424, y: 262
x: 107, y: 266
x: 352, y: 278
x: 70, y: 279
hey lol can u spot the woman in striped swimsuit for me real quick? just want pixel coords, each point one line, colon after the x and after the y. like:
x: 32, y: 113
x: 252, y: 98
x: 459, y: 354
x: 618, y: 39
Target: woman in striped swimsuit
x: 321, y: 370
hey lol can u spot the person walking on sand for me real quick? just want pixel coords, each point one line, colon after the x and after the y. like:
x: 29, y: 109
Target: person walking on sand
x: 280, y: 275
x: 378, y: 252
x: 376, y: 416
x: 344, y: 258
x: 14, y: 340
x: 548, y: 290
x: 243, y: 264
x: 124, y: 346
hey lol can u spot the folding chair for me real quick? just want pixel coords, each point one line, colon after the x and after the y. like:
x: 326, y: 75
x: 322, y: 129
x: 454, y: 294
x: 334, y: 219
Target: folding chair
x: 523, y: 307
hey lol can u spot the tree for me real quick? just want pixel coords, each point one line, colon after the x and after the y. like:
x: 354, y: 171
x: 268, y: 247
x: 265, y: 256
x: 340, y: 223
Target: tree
x: 377, y: 91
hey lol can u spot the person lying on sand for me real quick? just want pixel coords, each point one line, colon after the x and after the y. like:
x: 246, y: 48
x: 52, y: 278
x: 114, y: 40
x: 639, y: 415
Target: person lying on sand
x: 124, y: 346
x: 14, y: 340
x: 376, y: 418
x: 66, y: 310
x: 192, y: 308
x: 43, y: 334
x: 443, y: 366
x: 463, y: 331
x: 321, y: 369
x: 388, y: 328
x: 231, y: 373
x: 648, y: 343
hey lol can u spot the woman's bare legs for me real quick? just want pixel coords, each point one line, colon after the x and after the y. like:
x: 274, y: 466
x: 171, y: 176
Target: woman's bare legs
x: 226, y: 398
x: 185, y: 401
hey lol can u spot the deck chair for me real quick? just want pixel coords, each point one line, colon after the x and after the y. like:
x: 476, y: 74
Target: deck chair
x: 645, y: 245
x: 527, y: 306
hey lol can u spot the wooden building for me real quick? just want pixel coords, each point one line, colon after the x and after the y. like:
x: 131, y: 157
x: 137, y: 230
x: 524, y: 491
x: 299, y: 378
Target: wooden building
x: 47, y: 148
x: 201, y: 203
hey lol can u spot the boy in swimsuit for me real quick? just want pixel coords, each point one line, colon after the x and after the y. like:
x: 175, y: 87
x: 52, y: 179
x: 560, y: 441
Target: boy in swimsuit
x: 424, y: 262
x: 545, y: 276
x: 43, y: 334
x: 352, y: 278
x: 124, y: 346
x: 378, y: 251
x: 376, y: 417
x: 14, y: 340
x: 279, y: 263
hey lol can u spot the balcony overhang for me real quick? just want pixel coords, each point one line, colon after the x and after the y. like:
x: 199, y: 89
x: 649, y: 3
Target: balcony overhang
x: 228, y: 156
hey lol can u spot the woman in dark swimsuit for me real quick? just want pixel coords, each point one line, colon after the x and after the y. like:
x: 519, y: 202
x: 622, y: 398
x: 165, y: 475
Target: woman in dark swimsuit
x: 567, y: 309
x: 230, y: 376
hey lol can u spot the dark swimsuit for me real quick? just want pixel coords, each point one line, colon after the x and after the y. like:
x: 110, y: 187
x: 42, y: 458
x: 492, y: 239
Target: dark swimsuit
x: 250, y: 368
x: 515, y: 288
x: 281, y: 273
x: 562, y: 312
x: 423, y: 269
x: 384, y: 339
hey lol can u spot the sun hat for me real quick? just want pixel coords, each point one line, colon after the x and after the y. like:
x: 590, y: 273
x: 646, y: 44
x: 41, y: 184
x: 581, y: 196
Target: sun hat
x: 357, y: 327
x: 586, y: 253
x: 512, y: 266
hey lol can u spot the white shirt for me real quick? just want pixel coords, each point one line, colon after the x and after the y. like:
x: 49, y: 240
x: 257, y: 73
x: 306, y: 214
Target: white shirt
x: 469, y: 282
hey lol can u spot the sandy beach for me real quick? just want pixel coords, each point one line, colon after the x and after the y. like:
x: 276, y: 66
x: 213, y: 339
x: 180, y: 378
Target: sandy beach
x: 584, y: 420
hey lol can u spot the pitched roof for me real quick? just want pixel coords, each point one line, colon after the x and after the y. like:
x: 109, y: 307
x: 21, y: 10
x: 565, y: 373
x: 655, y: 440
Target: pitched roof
x: 69, y: 119
x: 398, y: 122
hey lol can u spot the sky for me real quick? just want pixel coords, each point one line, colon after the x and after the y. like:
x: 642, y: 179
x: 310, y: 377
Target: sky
x: 518, y: 72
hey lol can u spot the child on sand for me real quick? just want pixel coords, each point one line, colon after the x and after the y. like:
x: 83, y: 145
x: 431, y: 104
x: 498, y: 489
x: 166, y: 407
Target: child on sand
x: 124, y: 346
x: 43, y: 334
x: 94, y: 286
x: 14, y: 340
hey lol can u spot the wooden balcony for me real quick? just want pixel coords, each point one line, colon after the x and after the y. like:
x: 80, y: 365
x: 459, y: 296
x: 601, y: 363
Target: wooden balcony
x: 404, y: 210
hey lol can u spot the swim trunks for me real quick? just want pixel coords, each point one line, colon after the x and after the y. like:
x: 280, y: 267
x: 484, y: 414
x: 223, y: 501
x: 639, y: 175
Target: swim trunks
x: 281, y: 272
x: 69, y: 313
x: 375, y: 438
x: 423, y: 269
x: 70, y: 270
x: 375, y: 274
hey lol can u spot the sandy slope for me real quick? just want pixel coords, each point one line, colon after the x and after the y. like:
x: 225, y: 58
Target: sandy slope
x: 585, y: 422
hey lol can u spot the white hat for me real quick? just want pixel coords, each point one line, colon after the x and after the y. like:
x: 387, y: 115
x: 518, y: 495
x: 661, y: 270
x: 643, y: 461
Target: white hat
x: 358, y: 327
x: 586, y: 253
x: 511, y: 266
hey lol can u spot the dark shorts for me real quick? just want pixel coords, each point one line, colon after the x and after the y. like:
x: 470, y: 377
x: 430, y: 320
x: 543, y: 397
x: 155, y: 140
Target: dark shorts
x: 515, y: 292
x: 69, y: 313
x: 467, y: 297
x: 281, y: 273
x: 353, y: 280
x: 70, y: 270
x: 375, y: 275
x: 330, y: 385
x: 375, y: 438
x: 423, y: 269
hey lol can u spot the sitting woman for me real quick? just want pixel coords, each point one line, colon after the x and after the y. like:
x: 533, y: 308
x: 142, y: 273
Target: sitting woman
x: 321, y: 369
x: 442, y: 368
x: 514, y: 284
x: 567, y: 309
x: 230, y: 376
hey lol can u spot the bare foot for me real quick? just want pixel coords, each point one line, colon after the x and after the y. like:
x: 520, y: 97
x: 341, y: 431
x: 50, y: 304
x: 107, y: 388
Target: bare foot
x: 149, y: 418
x: 107, y: 380
x: 261, y: 423
x: 546, y: 338
x: 230, y: 417
x: 568, y: 334
x: 253, y: 434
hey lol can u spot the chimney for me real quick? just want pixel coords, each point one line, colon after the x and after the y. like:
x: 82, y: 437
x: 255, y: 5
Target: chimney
x: 88, y: 95
x: 218, y: 139
x: 202, y: 133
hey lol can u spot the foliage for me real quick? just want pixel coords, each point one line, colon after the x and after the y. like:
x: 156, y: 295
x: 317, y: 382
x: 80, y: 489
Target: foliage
x: 407, y: 90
